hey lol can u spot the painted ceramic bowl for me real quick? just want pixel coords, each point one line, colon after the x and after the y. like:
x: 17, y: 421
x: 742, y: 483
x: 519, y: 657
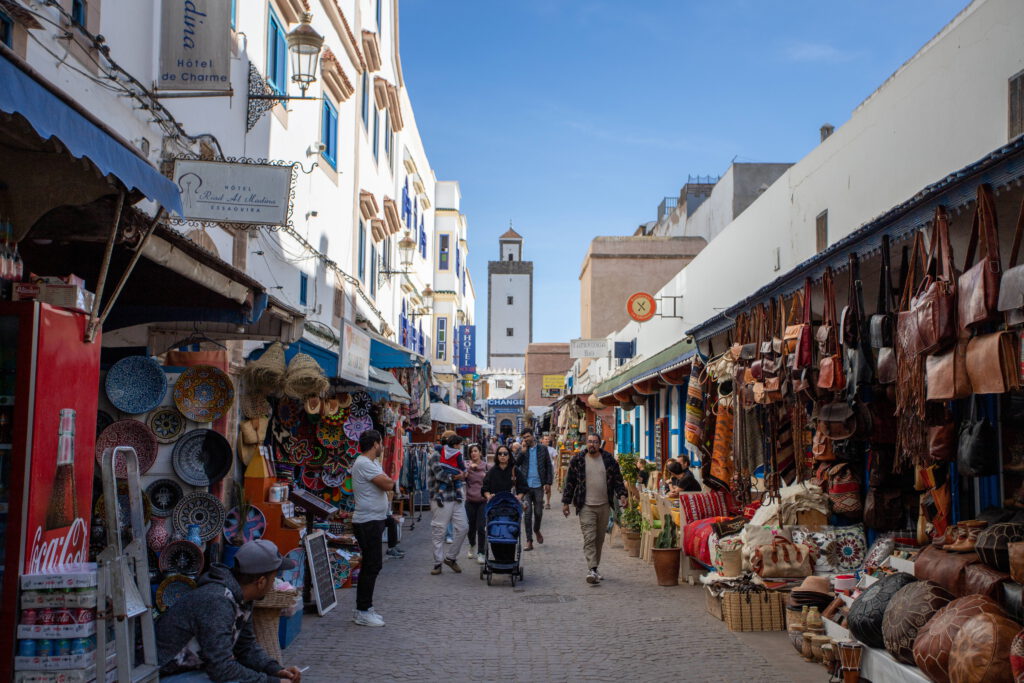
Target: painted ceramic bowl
x: 203, y: 393
x: 128, y: 433
x: 202, y: 509
x: 202, y: 457
x: 136, y: 384
x: 167, y: 423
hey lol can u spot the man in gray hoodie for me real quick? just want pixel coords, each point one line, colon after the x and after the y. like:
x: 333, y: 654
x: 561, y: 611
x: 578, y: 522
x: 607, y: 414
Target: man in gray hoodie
x: 207, y: 635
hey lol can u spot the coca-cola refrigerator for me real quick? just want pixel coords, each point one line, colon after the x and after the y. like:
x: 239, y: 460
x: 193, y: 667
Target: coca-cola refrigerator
x: 49, y: 384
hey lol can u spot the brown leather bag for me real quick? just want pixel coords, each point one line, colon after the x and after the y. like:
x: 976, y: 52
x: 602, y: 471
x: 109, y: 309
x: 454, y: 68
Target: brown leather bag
x: 1016, y: 553
x: 1011, y: 286
x: 934, y: 304
x: 783, y: 559
x: 886, y: 370
x: 993, y: 363
x: 947, y: 374
x: 943, y: 441
x: 978, y: 286
x: 791, y: 335
x: 831, y: 376
x: 981, y: 650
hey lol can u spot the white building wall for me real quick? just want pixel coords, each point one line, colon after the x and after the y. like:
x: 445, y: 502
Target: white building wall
x: 504, y: 316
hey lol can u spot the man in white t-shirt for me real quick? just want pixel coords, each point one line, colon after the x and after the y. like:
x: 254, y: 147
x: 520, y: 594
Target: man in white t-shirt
x: 370, y: 487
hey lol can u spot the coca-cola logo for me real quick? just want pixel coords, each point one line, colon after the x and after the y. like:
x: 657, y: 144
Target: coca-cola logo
x: 58, y: 548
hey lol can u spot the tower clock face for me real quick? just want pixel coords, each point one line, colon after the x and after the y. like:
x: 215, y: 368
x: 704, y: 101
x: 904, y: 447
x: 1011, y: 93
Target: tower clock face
x: 641, y: 307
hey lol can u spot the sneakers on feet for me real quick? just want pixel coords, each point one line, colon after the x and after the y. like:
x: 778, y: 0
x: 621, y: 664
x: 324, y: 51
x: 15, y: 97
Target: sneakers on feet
x: 395, y: 552
x: 599, y: 577
x: 454, y: 566
x: 593, y: 577
x: 540, y: 537
x: 480, y: 558
x: 449, y: 539
x: 471, y: 553
x: 368, y: 618
x: 436, y: 570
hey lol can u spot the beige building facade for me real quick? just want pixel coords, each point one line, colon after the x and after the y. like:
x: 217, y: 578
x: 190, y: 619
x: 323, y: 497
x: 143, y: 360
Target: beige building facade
x: 542, y: 360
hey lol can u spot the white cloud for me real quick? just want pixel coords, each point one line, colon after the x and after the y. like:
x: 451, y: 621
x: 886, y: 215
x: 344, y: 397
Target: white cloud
x: 817, y: 52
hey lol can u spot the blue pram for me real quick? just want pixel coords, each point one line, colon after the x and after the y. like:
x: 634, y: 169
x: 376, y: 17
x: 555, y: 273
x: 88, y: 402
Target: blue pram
x: 503, y: 516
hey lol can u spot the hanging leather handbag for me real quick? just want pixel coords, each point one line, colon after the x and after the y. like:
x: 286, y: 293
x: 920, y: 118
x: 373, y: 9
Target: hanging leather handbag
x: 943, y: 440
x: 978, y: 448
x: 836, y: 421
x: 860, y: 367
x: 831, y: 376
x: 934, y: 304
x: 978, y: 285
x: 947, y: 374
x: 791, y: 335
x: 908, y: 338
x: 885, y: 373
x: 1011, y: 286
x: 993, y: 363
x: 883, y: 322
x: 804, y: 353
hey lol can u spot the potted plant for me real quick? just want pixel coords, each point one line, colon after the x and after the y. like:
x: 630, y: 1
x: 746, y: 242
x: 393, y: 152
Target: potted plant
x: 666, y: 554
x: 630, y: 521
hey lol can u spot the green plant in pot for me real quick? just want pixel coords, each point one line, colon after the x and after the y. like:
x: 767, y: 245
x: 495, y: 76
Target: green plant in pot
x: 627, y: 464
x: 669, y: 536
x: 630, y: 519
x: 666, y: 555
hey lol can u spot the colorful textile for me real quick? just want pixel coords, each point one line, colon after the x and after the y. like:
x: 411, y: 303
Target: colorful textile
x: 851, y: 548
x: 693, y: 429
x: 697, y: 506
x: 696, y: 536
x: 722, y: 468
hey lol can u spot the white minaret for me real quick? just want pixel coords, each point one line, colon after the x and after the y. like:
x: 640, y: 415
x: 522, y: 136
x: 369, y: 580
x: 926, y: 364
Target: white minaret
x: 509, y: 304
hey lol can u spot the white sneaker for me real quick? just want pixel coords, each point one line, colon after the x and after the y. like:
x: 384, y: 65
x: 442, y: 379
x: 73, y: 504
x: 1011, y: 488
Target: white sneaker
x: 470, y: 554
x: 599, y: 577
x: 368, y: 618
x: 480, y: 558
x: 593, y: 577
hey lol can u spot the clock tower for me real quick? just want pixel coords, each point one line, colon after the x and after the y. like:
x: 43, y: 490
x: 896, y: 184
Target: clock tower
x: 509, y: 304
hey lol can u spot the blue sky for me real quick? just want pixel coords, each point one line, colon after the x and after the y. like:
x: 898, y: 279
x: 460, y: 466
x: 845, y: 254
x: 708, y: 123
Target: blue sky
x: 574, y: 118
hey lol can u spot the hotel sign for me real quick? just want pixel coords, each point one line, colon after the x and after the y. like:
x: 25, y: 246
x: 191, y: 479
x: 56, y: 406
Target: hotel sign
x: 195, y: 45
x: 223, y: 192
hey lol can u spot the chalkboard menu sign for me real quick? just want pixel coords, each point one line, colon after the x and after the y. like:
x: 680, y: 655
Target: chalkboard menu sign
x: 320, y: 578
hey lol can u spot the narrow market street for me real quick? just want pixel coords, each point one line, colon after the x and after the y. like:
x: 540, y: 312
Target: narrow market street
x: 552, y: 627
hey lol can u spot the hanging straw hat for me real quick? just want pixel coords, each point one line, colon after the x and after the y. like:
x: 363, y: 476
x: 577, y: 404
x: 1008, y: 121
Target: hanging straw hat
x: 304, y: 378
x: 264, y: 375
x: 255, y: 405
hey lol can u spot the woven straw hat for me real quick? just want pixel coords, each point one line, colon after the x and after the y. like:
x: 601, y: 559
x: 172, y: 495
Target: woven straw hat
x: 304, y: 378
x: 264, y: 375
x: 254, y: 405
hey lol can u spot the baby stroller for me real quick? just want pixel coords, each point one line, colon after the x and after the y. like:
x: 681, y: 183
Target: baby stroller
x: 503, y: 516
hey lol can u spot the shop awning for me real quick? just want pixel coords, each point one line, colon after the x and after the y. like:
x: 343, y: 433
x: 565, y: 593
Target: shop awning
x: 442, y: 412
x: 384, y: 382
x: 671, y: 358
x: 53, y: 115
x: 387, y: 354
x: 325, y: 358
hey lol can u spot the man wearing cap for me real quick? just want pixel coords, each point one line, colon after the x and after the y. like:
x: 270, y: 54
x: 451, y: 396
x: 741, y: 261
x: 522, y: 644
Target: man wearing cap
x: 207, y: 635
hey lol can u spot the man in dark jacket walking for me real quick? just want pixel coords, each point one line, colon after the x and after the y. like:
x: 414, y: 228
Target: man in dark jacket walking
x: 207, y: 635
x: 534, y: 468
x: 591, y: 485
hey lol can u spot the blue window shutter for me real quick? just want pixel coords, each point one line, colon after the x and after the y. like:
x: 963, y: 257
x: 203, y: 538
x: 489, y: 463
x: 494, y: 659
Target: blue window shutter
x: 375, y: 142
x: 329, y: 134
x: 303, y: 289
x: 277, y: 54
x: 6, y: 29
x: 365, y: 107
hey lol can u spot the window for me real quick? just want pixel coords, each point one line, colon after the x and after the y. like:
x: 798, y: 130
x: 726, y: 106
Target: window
x: 6, y: 30
x: 509, y: 332
x: 442, y: 337
x: 78, y: 12
x: 329, y: 134
x: 379, y: 14
x: 386, y: 255
x: 510, y: 257
x: 509, y: 300
x: 373, y: 270
x: 277, y: 54
x: 361, y: 257
x: 387, y: 135
x: 1017, y: 105
x: 376, y: 134
x: 365, y: 106
x: 821, y: 230
x: 303, y: 289
x: 442, y: 252
x: 234, y: 13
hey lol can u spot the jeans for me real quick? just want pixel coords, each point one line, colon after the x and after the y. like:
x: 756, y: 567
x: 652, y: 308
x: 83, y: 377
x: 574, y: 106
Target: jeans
x: 477, y: 525
x: 368, y: 534
x: 453, y: 513
x: 392, y: 527
x: 534, y: 511
x: 594, y: 525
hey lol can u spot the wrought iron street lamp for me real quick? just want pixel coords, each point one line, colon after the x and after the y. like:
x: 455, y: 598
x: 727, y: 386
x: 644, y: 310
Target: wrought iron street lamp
x: 427, y: 296
x: 304, y: 45
x: 406, y: 246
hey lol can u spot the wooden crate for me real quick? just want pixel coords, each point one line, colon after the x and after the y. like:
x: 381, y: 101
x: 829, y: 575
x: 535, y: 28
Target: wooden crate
x: 713, y: 603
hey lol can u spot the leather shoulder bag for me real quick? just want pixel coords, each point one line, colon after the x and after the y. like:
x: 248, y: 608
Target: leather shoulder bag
x: 1011, y: 287
x: 882, y: 323
x: 993, y: 362
x: 978, y: 285
x: 977, y: 453
x: 934, y: 304
x: 831, y: 376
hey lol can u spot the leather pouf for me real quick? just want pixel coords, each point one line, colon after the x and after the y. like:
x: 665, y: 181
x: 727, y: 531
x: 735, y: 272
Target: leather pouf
x: 1017, y: 657
x: 981, y: 650
x: 981, y: 579
x: 935, y: 639
x: 992, y: 541
x: 909, y: 610
x: 868, y: 610
x: 944, y: 568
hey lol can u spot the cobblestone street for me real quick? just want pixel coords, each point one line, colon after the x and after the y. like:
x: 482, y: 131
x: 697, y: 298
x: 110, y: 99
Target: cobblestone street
x: 552, y: 627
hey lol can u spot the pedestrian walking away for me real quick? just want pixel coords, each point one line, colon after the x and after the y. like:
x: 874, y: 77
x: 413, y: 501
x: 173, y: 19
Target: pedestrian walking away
x: 553, y: 452
x: 475, y: 501
x: 591, y: 486
x: 534, y: 468
x: 208, y: 635
x: 446, y: 474
x: 370, y: 487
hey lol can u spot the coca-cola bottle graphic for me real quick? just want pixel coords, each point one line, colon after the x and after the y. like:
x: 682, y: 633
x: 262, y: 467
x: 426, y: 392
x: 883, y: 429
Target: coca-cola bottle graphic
x: 63, y: 507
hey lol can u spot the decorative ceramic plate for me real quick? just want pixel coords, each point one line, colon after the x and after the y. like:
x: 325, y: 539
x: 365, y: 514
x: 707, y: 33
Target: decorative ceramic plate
x: 361, y: 403
x: 172, y: 589
x: 355, y: 426
x: 136, y: 384
x: 203, y: 509
x: 201, y: 457
x: 183, y: 557
x: 103, y: 420
x: 255, y: 525
x: 167, y: 423
x: 128, y: 433
x: 331, y: 435
x: 297, y: 575
x: 164, y: 495
x: 203, y: 393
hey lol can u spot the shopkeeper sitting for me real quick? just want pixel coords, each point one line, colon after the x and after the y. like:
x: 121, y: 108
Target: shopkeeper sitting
x: 207, y: 635
x: 681, y: 479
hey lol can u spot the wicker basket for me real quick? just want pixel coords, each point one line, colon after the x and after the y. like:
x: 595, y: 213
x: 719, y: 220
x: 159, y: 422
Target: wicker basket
x: 266, y: 616
x: 753, y: 610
